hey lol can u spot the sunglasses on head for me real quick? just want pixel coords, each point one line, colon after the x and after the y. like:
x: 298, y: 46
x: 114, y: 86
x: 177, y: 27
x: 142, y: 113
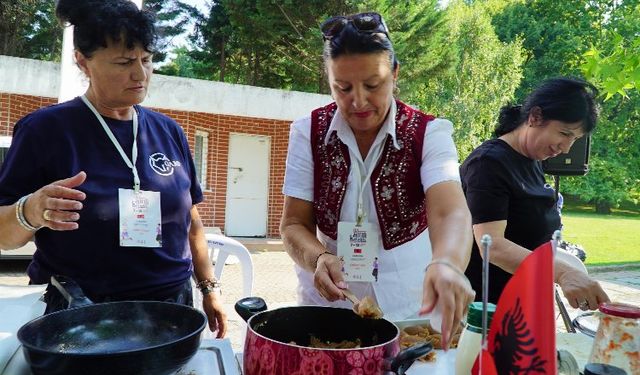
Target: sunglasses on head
x: 363, y: 22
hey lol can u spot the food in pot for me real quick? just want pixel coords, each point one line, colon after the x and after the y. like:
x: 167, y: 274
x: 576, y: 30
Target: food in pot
x: 417, y: 334
x: 367, y: 308
x: 344, y: 344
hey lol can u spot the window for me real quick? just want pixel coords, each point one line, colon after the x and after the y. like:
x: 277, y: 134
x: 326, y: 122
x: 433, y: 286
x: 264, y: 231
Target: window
x: 5, y: 142
x: 200, y: 157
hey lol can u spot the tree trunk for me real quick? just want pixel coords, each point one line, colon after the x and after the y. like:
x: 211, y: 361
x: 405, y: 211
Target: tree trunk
x: 603, y: 207
x: 223, y: 59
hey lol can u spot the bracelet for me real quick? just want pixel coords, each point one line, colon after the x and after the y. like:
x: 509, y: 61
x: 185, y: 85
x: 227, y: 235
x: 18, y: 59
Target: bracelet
x: 22, y: 220
x: 318, y: 258
x: 446, y: 263
x: 207, y: 286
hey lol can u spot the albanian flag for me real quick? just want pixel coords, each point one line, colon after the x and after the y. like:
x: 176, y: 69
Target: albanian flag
x: 522, y: 336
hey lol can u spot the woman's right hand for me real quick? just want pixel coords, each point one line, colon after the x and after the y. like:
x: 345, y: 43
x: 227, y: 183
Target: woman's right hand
x: 55, y: 205
x: 328, y: 278
x: 581, y: 290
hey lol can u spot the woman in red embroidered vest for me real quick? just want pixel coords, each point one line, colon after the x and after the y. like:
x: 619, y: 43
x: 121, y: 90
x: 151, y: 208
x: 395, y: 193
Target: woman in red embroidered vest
x: 363, y: 175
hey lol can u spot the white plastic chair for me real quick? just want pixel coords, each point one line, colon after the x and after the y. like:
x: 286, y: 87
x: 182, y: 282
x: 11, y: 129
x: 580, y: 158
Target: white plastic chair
x: 225, y: 247
x: 228, y: 246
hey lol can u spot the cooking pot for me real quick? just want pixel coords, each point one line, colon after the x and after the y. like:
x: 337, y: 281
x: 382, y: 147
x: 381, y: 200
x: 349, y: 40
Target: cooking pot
x: 132, y: 337
x: 278, y: 341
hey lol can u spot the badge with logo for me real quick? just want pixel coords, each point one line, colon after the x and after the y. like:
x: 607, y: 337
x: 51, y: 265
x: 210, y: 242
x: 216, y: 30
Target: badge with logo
x: 140, y: 218
x: 357, y: 247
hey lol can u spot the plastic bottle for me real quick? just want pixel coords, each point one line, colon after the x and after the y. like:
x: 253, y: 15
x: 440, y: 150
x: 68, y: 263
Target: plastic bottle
x: 471, y: 338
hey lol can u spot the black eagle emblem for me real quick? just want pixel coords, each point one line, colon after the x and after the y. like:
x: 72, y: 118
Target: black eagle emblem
x: 515, y: 351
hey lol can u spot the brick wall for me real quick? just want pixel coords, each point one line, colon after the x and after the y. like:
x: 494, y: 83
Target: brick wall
x: 212, y: 210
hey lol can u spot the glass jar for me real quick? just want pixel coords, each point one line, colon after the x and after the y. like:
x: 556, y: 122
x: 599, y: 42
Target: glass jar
x: 617, y: 340
x: 470, y: 341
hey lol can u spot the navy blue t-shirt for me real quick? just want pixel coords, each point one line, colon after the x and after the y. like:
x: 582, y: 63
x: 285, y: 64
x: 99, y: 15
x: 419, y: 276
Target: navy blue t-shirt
x: 501, y: 184
x: 59, y: 141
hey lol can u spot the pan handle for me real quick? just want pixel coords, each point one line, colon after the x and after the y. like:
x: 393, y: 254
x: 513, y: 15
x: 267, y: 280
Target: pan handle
x: 250, y: 306
x: 71, y: 291
x: 401, y: 363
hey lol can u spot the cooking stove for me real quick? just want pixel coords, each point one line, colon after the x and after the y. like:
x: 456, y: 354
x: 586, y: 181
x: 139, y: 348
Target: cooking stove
x: 215, y: 357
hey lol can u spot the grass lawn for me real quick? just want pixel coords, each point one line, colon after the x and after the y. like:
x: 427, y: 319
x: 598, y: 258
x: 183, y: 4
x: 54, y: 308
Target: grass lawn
x: 607, y: 239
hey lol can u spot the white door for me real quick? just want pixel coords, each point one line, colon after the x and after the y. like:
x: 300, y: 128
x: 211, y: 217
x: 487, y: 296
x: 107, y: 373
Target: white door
x: 247, y: 185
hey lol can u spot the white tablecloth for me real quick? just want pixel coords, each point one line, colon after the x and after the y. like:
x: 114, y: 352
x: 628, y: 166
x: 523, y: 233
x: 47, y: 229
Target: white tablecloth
x: 18, y: 305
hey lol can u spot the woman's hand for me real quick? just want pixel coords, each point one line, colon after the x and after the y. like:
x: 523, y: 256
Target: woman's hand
x: 54, y: 206
x: 447, y: 291
x: 581, y: 290
x: 328, y: 278
x: 212, y: 306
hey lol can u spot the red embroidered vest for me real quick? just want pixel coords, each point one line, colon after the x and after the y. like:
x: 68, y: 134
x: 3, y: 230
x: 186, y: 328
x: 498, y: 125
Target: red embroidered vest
x: 395, y: 181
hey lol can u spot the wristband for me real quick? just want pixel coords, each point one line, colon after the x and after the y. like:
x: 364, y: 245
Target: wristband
x: 22, y: 220
x: 207, y: 286
x: 446, y: 263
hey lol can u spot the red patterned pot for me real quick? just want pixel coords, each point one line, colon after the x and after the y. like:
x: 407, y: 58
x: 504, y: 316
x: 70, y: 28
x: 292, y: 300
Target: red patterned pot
x: 277, y: 342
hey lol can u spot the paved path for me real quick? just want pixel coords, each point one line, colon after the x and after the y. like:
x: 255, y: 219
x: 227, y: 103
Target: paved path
x: 275, y: 281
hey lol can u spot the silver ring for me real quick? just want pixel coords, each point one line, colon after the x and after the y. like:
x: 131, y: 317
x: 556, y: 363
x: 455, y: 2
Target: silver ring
x: 583, y: 305
x: 46, y: 214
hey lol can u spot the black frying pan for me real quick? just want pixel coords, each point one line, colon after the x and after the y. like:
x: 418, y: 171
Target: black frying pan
x: 133, y: 337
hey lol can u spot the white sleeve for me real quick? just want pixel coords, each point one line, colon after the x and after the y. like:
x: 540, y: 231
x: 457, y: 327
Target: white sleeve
x: 439, y: 154
x: 298, y: 175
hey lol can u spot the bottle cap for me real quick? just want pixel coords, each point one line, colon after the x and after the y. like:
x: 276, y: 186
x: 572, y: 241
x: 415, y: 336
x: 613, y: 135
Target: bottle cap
x: 602, y: 369
x: 474, y: 317
x: 620, y: 309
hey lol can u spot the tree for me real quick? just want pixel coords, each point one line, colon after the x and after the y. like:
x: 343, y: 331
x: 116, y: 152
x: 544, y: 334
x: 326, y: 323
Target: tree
x: 285, y: 55
x: 172, y: 19
x: 558, y: 36
x: 29, y: 29
x: 482, y: 78
x: 614, y: 63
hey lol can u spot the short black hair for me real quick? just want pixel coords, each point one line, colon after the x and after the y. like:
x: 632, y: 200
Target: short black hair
x: 351, y: 41
x: 97, y: 21
x: 563, y: 99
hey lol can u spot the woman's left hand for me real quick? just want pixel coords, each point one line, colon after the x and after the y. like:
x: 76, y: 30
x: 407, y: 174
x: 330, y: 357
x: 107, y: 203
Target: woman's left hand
x: 448, y: 292
x: 212, y: 306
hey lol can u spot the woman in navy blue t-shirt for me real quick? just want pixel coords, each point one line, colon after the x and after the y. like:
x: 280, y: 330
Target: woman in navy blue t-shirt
x: 506, y: 190
x: 107, y: 187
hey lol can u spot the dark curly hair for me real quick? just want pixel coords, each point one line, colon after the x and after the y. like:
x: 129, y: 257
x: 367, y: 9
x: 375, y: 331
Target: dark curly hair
x: 97, y: 21
x: 563, y: 99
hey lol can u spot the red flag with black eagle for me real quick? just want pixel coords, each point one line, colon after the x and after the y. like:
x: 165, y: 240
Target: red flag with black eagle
x: 522, y: 336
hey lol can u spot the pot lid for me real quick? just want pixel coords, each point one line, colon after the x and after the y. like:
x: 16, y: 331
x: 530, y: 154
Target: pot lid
x: 620, y: 309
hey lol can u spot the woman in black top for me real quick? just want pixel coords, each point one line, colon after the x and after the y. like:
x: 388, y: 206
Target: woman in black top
x: 507, y: 194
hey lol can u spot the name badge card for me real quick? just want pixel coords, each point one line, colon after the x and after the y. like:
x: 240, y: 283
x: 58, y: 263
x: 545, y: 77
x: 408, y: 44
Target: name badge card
x: 357, y: 247
x: 140, y: 218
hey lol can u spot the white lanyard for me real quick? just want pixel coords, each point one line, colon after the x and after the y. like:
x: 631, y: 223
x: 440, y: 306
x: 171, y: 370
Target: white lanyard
x: 131, y: 163
x: 363, y: 183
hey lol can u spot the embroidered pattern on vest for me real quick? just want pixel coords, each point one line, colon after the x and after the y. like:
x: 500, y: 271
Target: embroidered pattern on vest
x: 396, y: 183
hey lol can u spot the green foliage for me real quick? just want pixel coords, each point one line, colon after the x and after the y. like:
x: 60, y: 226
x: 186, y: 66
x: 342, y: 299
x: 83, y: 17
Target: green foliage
x: 483, y: 77
x: 265, y: 42
x: 29, y: 29
x: 172, y: 18
x: 614, y: 62
x: 565, y: 38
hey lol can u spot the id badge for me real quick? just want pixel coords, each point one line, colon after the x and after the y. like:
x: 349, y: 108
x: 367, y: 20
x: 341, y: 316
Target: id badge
x: 140, y: 218
x: 357, y: 248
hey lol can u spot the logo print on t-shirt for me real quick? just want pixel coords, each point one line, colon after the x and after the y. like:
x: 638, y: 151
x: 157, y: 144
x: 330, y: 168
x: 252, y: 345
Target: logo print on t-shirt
x: 161, y: 164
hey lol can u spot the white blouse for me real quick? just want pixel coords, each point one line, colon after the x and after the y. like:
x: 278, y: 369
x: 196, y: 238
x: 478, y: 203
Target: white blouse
x: 401, y: 269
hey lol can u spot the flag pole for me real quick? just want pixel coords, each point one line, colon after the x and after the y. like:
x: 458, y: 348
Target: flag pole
x: 486, y: 244
x: 566, y: 319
